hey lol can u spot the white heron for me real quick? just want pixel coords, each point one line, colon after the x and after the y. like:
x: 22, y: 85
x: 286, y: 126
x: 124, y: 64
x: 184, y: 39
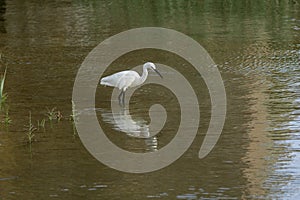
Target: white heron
x: 127, y: 79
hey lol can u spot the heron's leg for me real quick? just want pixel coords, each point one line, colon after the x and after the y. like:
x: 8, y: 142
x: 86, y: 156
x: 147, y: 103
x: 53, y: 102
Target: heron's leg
x: 120, y: 98
x: 123, y: 99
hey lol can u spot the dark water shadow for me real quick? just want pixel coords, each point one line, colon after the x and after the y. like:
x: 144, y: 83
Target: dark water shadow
x: 2, y: 18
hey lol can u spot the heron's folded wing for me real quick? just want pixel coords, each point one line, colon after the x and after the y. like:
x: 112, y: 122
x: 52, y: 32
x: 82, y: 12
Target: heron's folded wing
x: 126, y: 81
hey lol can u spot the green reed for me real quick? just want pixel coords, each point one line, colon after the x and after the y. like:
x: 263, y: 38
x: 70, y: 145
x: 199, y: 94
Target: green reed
x: 7, y: 119
x: 41, y: 123
x: 53, y: 114
x: 3, y: 96
x: 30, y: 130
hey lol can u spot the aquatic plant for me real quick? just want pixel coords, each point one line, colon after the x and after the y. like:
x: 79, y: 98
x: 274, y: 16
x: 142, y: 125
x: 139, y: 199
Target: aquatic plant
x: 59, y: 115
x: 54, y: 114
x: 41, y: 123
x: 73, y: 117
x: 3, y: 96
x: 7, y: 119
x: 50, y: 113
x: 30, y: 130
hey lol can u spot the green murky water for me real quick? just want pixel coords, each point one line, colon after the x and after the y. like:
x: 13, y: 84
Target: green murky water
x: 256, y: 45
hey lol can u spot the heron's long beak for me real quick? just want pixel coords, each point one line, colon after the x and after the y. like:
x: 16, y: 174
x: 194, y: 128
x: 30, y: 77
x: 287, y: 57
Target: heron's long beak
x: 157, y: 72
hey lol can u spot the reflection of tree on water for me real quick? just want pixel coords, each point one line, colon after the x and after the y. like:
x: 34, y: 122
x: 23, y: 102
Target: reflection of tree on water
x: 2, y: 12
x: 123, y: 121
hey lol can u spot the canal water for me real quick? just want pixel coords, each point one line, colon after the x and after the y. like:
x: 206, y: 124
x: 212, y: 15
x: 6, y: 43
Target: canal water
x: 256, y: 47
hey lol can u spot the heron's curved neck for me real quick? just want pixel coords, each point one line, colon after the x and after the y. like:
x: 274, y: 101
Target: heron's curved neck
x: 144, y: 75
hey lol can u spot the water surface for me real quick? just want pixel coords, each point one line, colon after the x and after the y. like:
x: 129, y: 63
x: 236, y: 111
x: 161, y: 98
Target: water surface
x: 256, y: 46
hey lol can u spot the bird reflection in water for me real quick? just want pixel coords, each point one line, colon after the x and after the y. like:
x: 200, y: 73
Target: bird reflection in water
x: 122, y: 121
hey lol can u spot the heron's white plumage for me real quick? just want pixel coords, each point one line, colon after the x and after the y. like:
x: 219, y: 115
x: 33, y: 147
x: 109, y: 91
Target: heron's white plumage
x: 121, y: 80
x: 126, y: 79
